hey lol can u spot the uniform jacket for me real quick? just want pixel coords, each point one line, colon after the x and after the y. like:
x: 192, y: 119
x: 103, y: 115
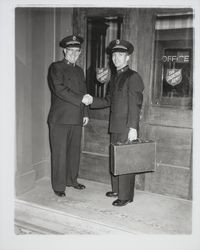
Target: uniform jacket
x: 124, y: 96
x: 67, y: 87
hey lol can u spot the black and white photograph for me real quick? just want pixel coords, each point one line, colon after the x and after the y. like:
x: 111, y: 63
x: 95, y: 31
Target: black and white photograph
x: 100, y: 135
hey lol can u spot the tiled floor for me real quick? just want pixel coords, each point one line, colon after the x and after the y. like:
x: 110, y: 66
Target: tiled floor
x: 89, y: 211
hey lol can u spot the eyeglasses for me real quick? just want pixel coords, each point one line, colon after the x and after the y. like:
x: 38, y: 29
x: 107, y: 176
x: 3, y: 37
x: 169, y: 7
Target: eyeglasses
x: 75, y: 51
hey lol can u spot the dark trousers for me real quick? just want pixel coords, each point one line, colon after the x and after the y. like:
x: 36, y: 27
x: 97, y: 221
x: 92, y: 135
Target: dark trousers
x: 65, y: 142
x: 122, y: 184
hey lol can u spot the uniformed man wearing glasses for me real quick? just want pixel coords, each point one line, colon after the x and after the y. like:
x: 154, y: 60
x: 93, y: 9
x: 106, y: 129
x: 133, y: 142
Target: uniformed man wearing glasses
x: 67, y: 115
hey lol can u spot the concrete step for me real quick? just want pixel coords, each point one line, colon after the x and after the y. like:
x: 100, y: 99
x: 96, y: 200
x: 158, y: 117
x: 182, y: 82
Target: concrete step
x: 33, y: 218
x: 89, y: 211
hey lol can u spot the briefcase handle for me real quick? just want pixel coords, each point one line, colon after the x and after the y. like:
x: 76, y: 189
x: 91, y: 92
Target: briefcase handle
x: 138, y: 140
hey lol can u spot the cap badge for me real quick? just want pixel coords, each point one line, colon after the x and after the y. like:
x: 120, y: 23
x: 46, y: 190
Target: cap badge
x: 74, y: 38
x: 117, y: 41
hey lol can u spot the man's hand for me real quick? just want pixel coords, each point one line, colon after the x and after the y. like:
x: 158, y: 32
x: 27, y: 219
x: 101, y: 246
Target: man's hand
x: 132, y: 134
x: 85, y: 120
x: 87, y: 99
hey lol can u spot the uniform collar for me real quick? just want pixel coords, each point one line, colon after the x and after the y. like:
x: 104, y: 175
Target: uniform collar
x: 68, y: 63
x: 124, y: 69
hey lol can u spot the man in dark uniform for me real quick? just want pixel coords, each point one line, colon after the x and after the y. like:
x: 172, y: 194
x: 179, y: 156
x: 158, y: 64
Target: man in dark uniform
x: 124, y: 96
x: 67, y: 115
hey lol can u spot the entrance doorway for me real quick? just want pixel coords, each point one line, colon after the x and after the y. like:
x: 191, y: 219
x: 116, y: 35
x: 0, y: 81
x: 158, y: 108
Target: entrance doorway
x: 100, y: 32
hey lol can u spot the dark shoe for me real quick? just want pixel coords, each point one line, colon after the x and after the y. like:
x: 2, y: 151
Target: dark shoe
x: 79, y: 186
x: 120, y: 203
x: 60, y: 193
x: 111, y: 194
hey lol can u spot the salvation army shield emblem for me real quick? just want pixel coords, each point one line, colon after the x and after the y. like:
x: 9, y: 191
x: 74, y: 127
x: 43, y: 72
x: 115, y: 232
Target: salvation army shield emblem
x: 103, y: 75
x: 174, y: 76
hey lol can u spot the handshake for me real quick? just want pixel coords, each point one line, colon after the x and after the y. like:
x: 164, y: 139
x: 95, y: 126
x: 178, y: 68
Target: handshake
x: 87, y: 99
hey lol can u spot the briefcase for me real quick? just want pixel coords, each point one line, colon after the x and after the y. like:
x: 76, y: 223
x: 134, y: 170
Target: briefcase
x: 137, y: 157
